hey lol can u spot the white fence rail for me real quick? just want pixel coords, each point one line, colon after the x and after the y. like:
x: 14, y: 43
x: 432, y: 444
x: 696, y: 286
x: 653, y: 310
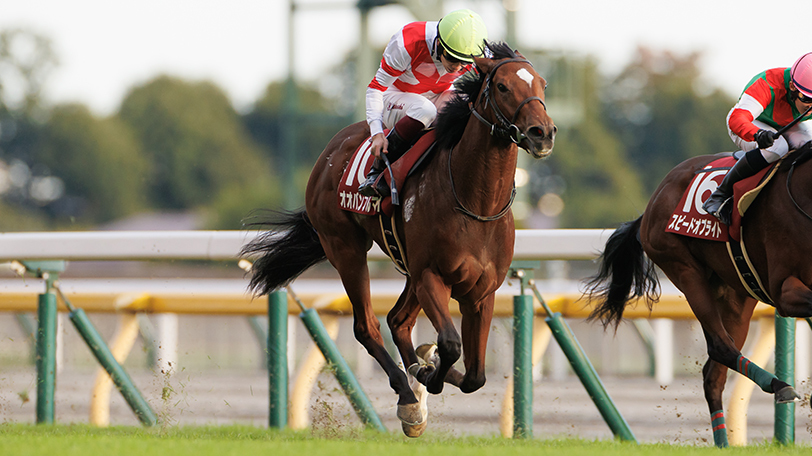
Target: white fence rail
x: 225, y: 245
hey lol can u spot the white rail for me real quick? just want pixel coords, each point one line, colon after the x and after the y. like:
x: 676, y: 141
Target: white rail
x: 226, y: 245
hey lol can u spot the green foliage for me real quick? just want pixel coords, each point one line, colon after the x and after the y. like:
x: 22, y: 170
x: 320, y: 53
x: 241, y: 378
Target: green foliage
x: 99, y: 160
x: 658, y: 107
x: 628, y: 132
x: 293, y: 124
x: 180, y: 145
x: 602, y: 190
x: 26, y: 59
x: 194, y: 141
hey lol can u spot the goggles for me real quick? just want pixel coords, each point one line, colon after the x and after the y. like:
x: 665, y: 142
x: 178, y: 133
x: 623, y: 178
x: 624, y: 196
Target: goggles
x: 454, y: 60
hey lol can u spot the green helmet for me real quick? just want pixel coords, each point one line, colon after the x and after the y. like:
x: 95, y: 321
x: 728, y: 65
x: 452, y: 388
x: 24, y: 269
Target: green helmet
x: 462, y: 33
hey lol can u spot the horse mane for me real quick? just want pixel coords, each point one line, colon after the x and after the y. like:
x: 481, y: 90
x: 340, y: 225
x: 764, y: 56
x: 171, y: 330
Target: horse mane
x: 453, y: 117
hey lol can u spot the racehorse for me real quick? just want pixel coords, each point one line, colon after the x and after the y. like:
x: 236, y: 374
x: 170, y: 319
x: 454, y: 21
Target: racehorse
x: 456, y: 226
x: 775, y: 230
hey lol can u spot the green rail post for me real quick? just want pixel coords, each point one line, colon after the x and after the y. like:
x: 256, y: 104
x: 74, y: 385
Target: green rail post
x: 105, y: 357
x: 46, y: 337
x: 585, y: 371
x: 358, y: 399
x: 523, y: 367
x: 784, y: 426
x: 117, y: 373
x: 277, y: 347
x: 46, y: 357
x: 523, y: 352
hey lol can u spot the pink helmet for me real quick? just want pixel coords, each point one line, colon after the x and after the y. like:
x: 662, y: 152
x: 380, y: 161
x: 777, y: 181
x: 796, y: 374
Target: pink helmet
x: 801, y: 74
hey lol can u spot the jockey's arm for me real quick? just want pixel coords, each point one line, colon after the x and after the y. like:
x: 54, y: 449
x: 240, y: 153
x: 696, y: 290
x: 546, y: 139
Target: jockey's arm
x: 393, y: 63
x: 750, y: 105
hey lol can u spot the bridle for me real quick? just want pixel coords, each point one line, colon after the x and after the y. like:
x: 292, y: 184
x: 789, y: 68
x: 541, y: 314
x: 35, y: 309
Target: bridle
x: 506, y: 129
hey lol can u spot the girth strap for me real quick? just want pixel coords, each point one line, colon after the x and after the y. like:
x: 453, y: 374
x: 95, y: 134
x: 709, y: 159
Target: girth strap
x: 747, y: 273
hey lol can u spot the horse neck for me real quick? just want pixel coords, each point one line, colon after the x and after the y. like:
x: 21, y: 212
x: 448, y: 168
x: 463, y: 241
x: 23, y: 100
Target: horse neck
x: 483, y: 170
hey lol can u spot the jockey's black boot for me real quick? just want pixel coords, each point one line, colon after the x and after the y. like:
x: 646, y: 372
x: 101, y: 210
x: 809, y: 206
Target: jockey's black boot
x: 720, y: 203
x: 375, y: 185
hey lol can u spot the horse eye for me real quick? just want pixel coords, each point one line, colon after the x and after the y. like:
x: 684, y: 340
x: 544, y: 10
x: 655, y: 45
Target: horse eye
x: 501, y: 87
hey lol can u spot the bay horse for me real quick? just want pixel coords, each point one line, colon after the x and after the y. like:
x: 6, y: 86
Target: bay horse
x: 776, y: 229
x: 455, y: 223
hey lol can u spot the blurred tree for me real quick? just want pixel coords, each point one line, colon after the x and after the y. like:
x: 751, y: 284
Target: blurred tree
x: 26, y: 60
x: 664, y: 114
x: 100, y: 162
x: 299, y: 116
x: 195, y: 144
x: 596, y: 183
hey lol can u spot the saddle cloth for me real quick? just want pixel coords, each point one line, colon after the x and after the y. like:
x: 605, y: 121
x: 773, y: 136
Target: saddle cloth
x: 361, y: 161
x: 689, y: 219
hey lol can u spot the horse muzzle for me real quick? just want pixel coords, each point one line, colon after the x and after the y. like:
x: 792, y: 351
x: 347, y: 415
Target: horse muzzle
x: 539, y: 140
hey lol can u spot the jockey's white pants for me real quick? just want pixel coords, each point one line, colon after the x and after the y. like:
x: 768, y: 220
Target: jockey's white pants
x: 422, y: 108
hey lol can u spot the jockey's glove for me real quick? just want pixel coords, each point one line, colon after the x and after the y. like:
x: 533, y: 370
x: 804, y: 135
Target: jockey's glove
x: 764, y: 138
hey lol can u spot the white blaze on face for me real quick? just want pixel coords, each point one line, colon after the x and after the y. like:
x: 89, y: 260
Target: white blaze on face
x: 526, y: 76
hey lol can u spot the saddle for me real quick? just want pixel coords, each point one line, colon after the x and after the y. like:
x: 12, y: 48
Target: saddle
x: 689, y: 219
x: 355, y: 173
x: 361, y: 161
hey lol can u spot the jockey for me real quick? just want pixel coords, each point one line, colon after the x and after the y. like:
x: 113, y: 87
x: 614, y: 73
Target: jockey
x: 414, y: 79
x: 770, y: 101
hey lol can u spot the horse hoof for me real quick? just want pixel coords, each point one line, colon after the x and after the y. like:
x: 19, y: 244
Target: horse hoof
x: 411, y: 414
x: 786, y: 394
x: 428, y: 354
x: 414, y: 430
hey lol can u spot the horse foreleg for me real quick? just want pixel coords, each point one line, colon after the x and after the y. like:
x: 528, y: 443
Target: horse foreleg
x: 401, y: 320
x: 475, y: 326
x: 434, y: 296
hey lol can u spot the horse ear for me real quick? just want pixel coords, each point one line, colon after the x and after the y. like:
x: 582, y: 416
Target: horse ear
x: 483, y: 65
x: 520, y: 54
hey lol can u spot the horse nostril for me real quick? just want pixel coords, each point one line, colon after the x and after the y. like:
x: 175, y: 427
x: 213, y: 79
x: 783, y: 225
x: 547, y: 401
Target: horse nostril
x: 535, y: 132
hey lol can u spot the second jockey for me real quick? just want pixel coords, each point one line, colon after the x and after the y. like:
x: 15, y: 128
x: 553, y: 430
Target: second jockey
x: 772, y: 100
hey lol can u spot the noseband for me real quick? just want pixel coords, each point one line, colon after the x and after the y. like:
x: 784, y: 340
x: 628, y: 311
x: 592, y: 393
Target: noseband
x: 505, y: 128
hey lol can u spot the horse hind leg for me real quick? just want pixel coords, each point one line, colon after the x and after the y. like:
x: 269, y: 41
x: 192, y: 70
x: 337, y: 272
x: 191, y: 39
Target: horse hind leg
x: 795, y: 300
x: 724, y: 337
x: 713, y: 375
x: 349, y: 259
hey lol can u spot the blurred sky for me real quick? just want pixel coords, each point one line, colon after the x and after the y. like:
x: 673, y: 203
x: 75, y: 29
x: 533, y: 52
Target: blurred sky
x: 107, y: 46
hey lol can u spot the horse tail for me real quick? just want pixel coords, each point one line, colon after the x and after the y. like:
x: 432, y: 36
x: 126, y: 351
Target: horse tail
x: 284, y: 253
x: 625, y: 273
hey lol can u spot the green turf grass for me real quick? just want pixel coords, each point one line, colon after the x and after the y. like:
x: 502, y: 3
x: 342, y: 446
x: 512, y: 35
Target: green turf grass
x: 85, y: 440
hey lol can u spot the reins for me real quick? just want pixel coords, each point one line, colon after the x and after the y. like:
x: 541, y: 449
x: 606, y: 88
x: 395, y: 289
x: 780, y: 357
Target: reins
x: 804, y: 156
x: 460, y: 207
